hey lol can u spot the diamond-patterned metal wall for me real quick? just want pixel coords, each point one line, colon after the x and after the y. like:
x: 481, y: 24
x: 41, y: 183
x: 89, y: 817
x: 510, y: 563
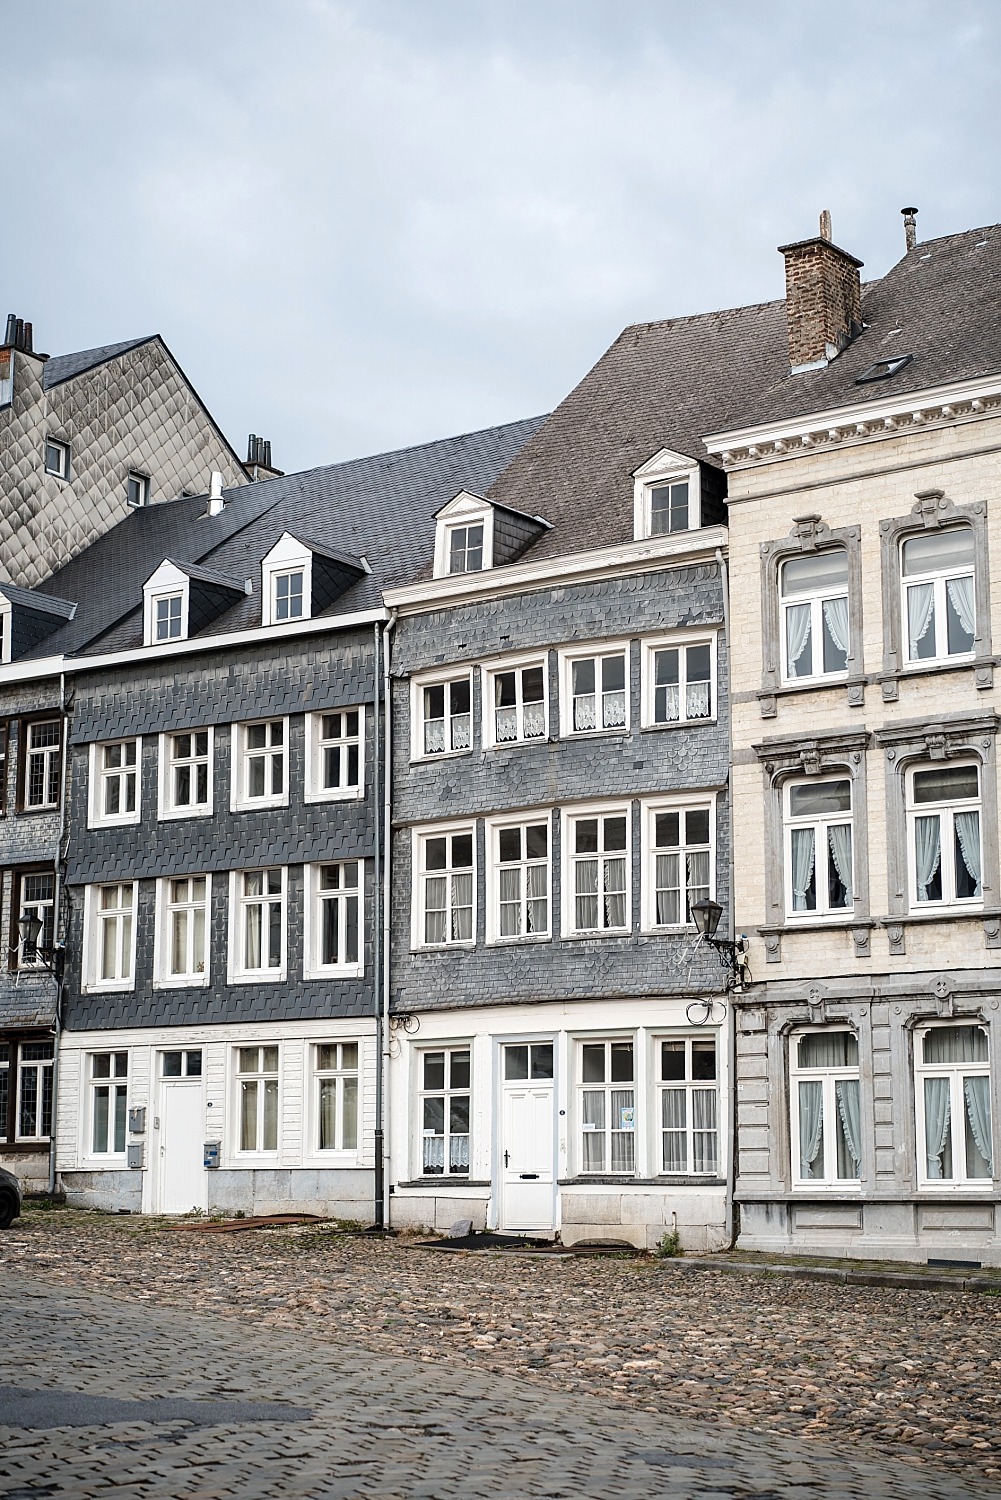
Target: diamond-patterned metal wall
x: 136, y: 411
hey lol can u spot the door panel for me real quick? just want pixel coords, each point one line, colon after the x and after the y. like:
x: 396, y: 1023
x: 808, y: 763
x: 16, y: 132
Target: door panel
x: 527, y: 1156
x: 181, y: 1170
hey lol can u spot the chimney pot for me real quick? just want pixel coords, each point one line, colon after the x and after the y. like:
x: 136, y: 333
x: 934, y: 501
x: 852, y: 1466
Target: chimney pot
x: 823, y: 298
x: 910, y: 227
x: 216, y: 501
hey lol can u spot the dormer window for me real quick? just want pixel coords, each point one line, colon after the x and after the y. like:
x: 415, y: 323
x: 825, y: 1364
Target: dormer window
x: 465, y: 549
x: 137, y: 490
x: 165, y: 605
x: 288, y: 595
x: 666, y: 496
x: 167, y: 625
x: 57, y: 458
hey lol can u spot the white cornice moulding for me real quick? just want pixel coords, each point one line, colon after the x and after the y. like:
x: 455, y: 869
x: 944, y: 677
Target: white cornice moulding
x: 54, y: 666
x: 628, y: 557
x: 967, y: 400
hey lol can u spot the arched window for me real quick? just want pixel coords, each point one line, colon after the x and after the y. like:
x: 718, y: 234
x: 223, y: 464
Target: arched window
x: 815, y: 621
x: 939, y: 597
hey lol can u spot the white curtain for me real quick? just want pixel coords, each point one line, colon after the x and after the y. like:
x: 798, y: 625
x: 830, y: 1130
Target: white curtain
x: 811, y: 1127
x: 803, y: 856
x: 920, y: 612
x: 846, y: 1092
x: 938, y: 1109
x: 927, y: 852
x: 968, y: 834
x: 839, y: 838
x: 961, y: 597
x: 976, y: 1092
x: 704, y: 1137
x: 798, y: 620
x: 955, y: 1044
x: 836, y: 620
x: 698, y: 700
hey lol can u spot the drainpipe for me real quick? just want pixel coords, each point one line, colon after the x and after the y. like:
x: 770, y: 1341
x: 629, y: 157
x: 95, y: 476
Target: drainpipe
x: 731, y: 1033
x: 385, y: 1155
x: 380, y: 1179
x: 60, y: 864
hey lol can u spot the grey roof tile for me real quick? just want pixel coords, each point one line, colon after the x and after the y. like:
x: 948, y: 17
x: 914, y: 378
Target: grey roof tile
x: 60, y: 367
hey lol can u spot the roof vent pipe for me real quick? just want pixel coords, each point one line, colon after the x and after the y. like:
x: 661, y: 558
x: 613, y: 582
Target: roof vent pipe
x: 216, y: 501
x: 910, y: 227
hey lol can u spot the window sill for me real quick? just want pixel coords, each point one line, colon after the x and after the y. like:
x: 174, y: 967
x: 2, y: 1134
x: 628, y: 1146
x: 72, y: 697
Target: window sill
x: 537, y: 739
x: 667, y: 1179
x: 264, y: 804
x: 251, y: 1160
x: 860, y: 928
x: 130, y: 822
x: 854, y: 682
x: 597, y: 936
x: 439, y: 1182
x: 678, y: 724
x: 25, y: 1148
x: 275, y: 976
x: 432, y: 759
x: 982, y: 668
x: 27, y: 812
x: 182, y: 982
x: 177, y: 815
x: 530, y: 940
x: 349, y: 971
x: 122, y: 988
x: 340, y: 794
x: 621, y: 733
x: 444, y: 947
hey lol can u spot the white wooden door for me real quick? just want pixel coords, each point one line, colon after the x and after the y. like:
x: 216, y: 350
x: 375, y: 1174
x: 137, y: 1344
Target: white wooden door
x: 181, y: 1171
x: 527, y: 1146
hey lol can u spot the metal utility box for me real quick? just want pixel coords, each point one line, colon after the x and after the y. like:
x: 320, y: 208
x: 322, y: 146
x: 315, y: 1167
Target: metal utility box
x: 211, y: 1158
x: 135, y: 1154
x: 137, y: 1120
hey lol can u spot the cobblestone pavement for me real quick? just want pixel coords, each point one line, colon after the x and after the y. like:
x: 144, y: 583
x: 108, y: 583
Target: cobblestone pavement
x: 628, y: 1379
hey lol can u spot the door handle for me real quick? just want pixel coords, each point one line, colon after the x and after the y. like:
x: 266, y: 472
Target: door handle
x: 507, y: 1157
x: 529, y: 1176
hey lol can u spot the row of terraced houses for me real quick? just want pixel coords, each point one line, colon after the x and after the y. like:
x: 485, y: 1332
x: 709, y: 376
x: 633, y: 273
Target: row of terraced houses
x: 364, y: 830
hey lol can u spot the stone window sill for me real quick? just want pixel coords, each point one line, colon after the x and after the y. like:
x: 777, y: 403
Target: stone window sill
x: 443, y: 1182
x: 896, y: 925
x: 860, y: 928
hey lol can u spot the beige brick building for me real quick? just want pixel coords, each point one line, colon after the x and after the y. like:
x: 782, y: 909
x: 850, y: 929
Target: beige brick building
x: 863, y: 518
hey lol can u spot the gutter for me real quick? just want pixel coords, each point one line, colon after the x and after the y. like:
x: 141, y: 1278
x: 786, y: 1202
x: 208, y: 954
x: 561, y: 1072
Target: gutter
x: 384, y: 1156
x: 57, y: 919
x: 732, y: 1219
x: 379, y: 904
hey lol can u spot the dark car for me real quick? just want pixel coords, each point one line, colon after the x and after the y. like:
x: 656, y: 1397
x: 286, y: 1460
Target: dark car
x: 10, y: 1198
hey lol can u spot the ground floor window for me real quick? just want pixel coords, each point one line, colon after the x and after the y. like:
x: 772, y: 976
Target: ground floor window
x: 109, y: 1089
x: 826, y: 1127
x: 257, y: 1090
x: 952, y: 1064
x: 336, y: 1073
x: 689, y: 1105
x: 26, y: 1089
x: 607, y: 1106
x: 444, y: 1112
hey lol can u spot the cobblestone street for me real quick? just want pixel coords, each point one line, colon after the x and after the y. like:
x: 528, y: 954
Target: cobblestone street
x: 452, y: 1375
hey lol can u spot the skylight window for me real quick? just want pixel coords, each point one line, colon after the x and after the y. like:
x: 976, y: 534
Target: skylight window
x: 883, y: 369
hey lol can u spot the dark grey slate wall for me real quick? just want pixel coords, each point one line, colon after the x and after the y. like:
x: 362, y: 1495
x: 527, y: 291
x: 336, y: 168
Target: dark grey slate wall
x: 220, y: 689
x: 555, y: 774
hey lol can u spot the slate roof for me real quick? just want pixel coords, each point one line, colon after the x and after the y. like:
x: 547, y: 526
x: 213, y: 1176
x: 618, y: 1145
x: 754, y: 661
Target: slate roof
x: 382, y: 506
x: 32, y: 599
x: 60, y: 367
x: 670, y: 384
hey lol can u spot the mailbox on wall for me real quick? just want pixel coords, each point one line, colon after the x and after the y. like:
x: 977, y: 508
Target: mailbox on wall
x: 137, y: 1119
x: 135, y: 1154
x: 211, y: 1153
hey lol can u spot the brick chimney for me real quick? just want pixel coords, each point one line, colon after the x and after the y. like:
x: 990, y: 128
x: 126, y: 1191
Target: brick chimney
x: 823, y: 299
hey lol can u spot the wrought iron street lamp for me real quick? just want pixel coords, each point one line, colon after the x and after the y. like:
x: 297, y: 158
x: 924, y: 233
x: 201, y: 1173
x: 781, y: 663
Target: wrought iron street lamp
x: 50, y: 959
x: 731, y: 954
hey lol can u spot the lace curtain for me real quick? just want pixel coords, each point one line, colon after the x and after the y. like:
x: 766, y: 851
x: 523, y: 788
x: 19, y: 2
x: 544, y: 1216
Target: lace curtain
x: 962, y: 599
x: 803, y: 856
x: 811, y: 1128
x: 938, y: 1113
x: 920, y: 613
x: 846, y: 1092
x: 927, y: 853
x: 839, y: 839
x: 968, y: 834
x: 798, y: 621
x: 836, y: 620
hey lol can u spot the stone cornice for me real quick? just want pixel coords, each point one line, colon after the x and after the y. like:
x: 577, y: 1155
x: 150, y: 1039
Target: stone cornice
x: 848, y: 426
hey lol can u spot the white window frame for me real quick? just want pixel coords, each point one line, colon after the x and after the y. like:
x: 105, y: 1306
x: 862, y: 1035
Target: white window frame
x: 420, y: 838
x: 287, y: 556
x: 595, y: 651
x: 664, y: 468
x: 142, y: 485
x: 6, y: 629
x: 167, y: 582
x: 114, y: 1082
x: 828, y: 1077
x: 939, y: 621
x: 649, y: 809
x: 316, y: 745
x: 237, y: 1154
x: 446, y: 1092
x: 815, y: 599
x: 493, y: 829
x: 314, y: 901
x: 946, y: 812
x: 43, y: 1068
x: 465, y: 510
x: 163, y: 942
x: 239, y: 902
x: 570, y: 818
x: 955, y: 1072
x: 241, y: 755
x: 62, y: 471
x: 819, y: 823
x: 690, y: 1086
x: 608, y: 1087
x: 341, y: 1075
x: 648, y: 679
x: 99, y: 775
x: 49, y: 754
x: 444, y: 678
x: 95, y: 919
x: 44, y: 907
x: 166, y: 809
x: 518, y: 665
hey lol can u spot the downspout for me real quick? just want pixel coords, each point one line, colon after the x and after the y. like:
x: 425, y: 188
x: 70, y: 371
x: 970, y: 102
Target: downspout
x: 731, y: 1035
x: 387, y: 902
x: 60, y: 864
x: 380, y: 1179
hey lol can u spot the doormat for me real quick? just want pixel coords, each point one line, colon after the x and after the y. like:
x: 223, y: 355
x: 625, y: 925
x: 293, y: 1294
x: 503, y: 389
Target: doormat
x: 233, y: 1226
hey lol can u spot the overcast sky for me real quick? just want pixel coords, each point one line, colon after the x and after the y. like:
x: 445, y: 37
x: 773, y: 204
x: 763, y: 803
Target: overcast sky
x: 364, y: 223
